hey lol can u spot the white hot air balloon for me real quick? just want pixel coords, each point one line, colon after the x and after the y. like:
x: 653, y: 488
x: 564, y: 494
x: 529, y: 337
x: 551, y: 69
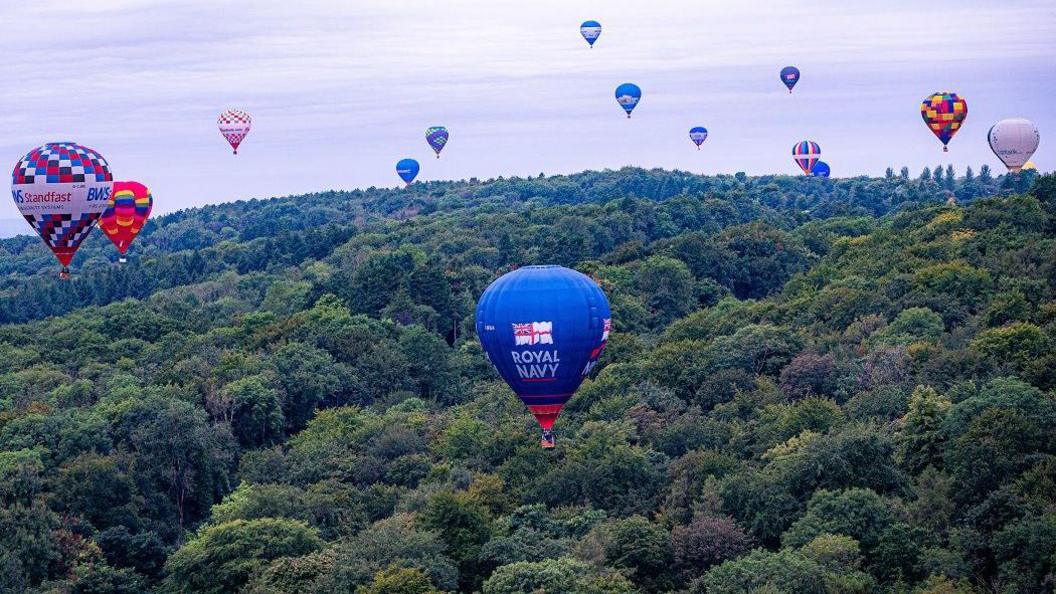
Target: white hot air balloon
x: 1014, y: 141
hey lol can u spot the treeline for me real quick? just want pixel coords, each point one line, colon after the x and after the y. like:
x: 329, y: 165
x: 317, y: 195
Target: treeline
x: 813, y: 386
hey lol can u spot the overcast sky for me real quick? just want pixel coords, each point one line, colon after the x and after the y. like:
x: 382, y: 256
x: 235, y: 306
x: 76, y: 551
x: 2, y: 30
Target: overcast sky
x: 340, y: 90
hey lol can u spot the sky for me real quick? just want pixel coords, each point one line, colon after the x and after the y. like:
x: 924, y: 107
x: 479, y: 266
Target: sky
x: 340, y: 90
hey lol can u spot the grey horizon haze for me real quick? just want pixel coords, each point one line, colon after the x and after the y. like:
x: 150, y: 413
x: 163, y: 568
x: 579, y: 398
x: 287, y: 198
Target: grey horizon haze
x: 339, y: 91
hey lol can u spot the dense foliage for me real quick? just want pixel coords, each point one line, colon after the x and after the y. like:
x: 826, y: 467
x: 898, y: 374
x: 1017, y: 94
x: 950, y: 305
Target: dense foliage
x: 813, y: 386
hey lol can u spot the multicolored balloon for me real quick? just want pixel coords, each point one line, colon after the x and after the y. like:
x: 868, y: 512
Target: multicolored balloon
x: 698, y: 135
x: 543, y: 328
x: 628, y: 95
x: 1030, y: 166
x: 591, y: 31
x: 790, y: 76
x: 944, y: 113
x: 1014, y: 142
x: 126, y: 214
x: 234, y: 126
x: 62, y: 188
x: 407, y: 169
x: 437, y: 138
x: 806, y: 154
x: 821, y: 169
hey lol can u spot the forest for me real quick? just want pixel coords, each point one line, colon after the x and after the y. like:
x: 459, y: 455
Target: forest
x: 813, y: 386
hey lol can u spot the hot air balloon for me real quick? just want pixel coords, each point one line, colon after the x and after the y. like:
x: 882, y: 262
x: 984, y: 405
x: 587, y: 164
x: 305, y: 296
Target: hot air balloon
x: 698, y: 135
x: 407, y: 169
x: 1014, y: 142
x: 821, y: 169
x: 129, y: 207
x: 628, y: 95
x: 234, y: 125
x: 591, y: 31
x: 806, y: 154
x: 437, y: 138
x: 543, y: 328
x: 62, y: 188
x: 1030, y: 166
x: 790, y: 76
x: 944, y: 113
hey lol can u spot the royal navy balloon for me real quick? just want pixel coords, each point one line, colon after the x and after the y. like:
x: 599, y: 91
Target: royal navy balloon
x: 821, y: 169
x: 62, y: 188
x: 543, y: 328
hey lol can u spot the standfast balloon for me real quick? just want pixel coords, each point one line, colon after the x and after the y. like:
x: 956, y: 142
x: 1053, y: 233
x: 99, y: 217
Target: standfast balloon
x: 628, y: 95
x: 62, y: 188
x: 1014, y: 142
x: 407, y: 169
x: 543, y: 328
x: 437, y: 138
x: 821, y: 169
x: 790, y: 76
x: 234, y: 126
x: 944, y: 113
x: 124, y: 217
x: 591, y: 31
x: 698, y: 135
x: 806, y: 154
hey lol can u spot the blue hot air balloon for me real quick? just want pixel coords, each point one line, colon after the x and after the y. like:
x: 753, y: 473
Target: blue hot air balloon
x: 543, y: 328
x: 407, y: 169
x: 591, y: 31
x: 821, y: 169
x: 698, y: 135
x: 790, y: 76
x: 437, y: 137
x: 628, y: 95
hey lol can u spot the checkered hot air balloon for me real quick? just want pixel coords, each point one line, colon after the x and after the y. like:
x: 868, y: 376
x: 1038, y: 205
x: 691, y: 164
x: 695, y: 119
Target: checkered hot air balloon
x: 124, y: 218
x: 61, y: 188
x: 806, y: 154
x: 944, y: 113
x: 437, y: 137
x: 234, y: 126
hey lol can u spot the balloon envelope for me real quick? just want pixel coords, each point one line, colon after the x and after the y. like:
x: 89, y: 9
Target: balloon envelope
x: 698, y: 135
x: 407, y: 169
x: 1014, y: 142
x: 591, y: 31
x: 806, y: 154
x: 790, y: 76
x: 944, y: 113
x: 62, y: 188
x: 126, y: 214
x: 628, y: 95
x: 543, y: 328
x: 234, y: 125
x: 1030, y: 166
x: 437, y: 138
x: 821, y: 169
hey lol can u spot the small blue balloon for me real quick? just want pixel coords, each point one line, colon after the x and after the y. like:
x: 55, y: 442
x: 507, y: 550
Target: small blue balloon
x: 821, y: 169
x: 698, y: 135
x: 628, y: 95
x: 407, y: 169
x: 590, y: 30
x: 790, y: 76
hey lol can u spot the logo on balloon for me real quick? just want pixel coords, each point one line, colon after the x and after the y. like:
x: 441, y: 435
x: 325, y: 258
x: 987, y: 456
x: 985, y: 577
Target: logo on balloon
x: 533, y: 333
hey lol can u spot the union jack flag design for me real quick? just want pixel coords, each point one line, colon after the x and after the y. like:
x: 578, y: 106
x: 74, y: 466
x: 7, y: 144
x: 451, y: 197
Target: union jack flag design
x: 531, y: 333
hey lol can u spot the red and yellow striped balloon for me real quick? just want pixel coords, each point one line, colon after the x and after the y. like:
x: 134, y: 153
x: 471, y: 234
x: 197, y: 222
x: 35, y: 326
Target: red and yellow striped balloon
x: 129, y: 208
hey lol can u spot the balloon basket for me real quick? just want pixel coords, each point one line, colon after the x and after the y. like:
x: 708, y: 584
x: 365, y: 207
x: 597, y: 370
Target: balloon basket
x: 122, y: 260
x: 547, y: 442
x: 64, y: 274
x: 945, y: 149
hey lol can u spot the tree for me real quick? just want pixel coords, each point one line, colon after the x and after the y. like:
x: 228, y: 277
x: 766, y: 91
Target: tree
x: 666, y: 286
x: 223, y: 557
x: 463, y: 525
x: 564, y: 575
x: 922, y: 440
x: 399, y: 581
x: 642, y: 548
x: 707, y: 541
x: 256, y: 411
